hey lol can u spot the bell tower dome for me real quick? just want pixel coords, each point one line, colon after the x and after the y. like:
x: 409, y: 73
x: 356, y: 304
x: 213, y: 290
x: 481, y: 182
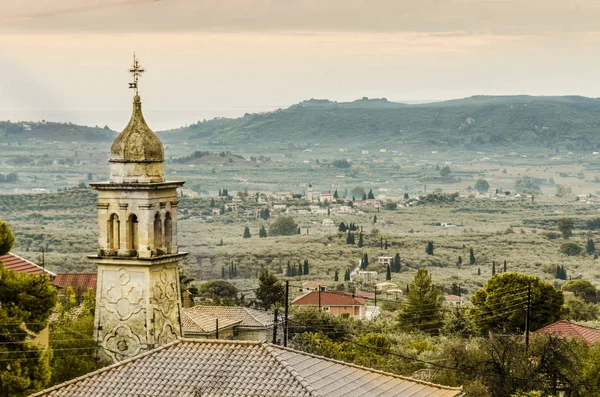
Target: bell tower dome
x: 138, y: 305
x: 137, y: 154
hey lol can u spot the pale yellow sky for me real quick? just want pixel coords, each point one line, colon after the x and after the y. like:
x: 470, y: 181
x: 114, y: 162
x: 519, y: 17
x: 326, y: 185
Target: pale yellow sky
x: 214, y: 55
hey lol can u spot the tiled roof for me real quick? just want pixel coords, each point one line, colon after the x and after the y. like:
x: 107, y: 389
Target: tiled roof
x: 240, y: 368
x: 570, y: 330
x: 196, y: 322
x: 247, y: 317
x: 328, y: 299
x: 22, y: 265
x: 314, y: 284
x: 80, y: 282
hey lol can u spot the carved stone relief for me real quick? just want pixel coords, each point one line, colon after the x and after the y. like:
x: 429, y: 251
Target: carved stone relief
x: 122, y: 312
x: 121, y: 296
x: 122, y: 343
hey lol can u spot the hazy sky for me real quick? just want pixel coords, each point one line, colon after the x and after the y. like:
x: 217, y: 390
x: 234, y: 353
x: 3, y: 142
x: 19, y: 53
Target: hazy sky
x: 209, y: 58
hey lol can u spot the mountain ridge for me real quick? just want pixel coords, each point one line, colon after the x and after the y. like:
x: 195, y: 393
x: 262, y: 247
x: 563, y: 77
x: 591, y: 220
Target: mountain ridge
x: 570, y: 122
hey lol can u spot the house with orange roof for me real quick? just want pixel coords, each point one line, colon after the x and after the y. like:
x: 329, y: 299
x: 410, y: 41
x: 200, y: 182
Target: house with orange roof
x: 80, y: 282
x: 335, y: 303
x: 21, y: 265
x: 569, y: 330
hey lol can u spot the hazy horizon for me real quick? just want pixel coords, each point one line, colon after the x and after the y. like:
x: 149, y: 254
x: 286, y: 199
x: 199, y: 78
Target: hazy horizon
x: 242, y: 54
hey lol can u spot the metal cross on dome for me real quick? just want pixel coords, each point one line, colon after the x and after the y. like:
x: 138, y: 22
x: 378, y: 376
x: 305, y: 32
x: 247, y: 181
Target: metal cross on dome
x: 136, y: 71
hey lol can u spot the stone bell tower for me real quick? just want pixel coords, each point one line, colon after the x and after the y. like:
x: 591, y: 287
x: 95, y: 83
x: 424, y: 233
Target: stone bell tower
x: 138, y: 305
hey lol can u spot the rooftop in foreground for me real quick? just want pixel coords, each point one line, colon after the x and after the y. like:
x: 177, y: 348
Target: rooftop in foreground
x: 240, y: 368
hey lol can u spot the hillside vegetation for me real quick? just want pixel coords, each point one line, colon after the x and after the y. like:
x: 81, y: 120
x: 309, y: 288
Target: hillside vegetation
x: 482, y: 121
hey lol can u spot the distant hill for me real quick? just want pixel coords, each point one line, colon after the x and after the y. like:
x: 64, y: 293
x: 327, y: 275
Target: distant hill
x: 566, y: 122
x: 51, y: 131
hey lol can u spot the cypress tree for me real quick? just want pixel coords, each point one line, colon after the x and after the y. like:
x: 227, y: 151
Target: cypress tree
x: 505, y: 266
x: 374, y: 218
x: 247, y: 232
x: 299, y: 269
x: 493, y: 268
x: 342, y: 227
x: 223, y: 272
x: 306, y: 266
x: 388, y: 273
x: 212, y: 202
x: 397, y: 264
x: 478, y: 271
x: 335, y: 274
x: 471, y: 256
x: 429, y: 249
x: 288, y: 271
x: 385, y: 245
x: 381, y: 242
x: 459, y: 262
x: 360, y: 240
x: 590, y: 247
x: 370, y: 196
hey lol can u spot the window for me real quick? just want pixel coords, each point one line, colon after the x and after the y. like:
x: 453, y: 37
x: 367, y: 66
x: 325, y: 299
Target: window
x: 132, y: 232
x: 168, y: 232
x: 114, y: 233
x: 157, y: 232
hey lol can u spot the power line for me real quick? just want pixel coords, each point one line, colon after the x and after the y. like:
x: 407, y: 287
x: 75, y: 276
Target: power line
x: 383, y: 351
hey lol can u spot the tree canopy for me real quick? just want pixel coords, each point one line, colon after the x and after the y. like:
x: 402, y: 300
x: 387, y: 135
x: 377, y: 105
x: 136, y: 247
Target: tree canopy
x: 7, y: 239
x: 220, y: 291
x: 502, y: 303
x: 283, y: 226
x: 581, y: 288
x: 482, y: 186
x: 423, y: 309
x: 271, y: 291
x: 26, y: 302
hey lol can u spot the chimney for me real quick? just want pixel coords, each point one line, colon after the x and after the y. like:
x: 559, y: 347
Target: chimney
x: 187, y: 299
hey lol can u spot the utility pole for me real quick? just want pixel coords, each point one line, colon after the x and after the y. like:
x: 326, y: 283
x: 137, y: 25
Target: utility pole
x: 275, y: 327
x: 217, y: 328
x: 319, y: 292
x: 375, y: 296
x: 285, y: 319
x: 527, y: 317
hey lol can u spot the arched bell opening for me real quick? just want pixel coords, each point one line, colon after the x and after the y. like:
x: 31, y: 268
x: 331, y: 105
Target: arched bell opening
x: 132, y: 233
x: 158, y: 234
x: 168, y: 232
x: 113, y: 233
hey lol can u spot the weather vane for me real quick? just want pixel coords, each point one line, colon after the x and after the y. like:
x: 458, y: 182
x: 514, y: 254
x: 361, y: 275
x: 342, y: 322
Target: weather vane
x: 136, y: 71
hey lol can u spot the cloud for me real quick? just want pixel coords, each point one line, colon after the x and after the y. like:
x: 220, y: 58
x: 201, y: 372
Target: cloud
x: 482, y: 16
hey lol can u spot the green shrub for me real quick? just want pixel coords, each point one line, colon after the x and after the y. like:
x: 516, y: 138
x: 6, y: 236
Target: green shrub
x: 571, y: 249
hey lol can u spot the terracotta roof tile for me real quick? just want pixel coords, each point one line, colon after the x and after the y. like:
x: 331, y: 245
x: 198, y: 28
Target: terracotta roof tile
x: 236, y: 368
x: 328, y: 299
x: 80, y: 282
x: 569, y: 330
x: 247, y: 317
x: 197, y: 322
x: 22, y: 265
